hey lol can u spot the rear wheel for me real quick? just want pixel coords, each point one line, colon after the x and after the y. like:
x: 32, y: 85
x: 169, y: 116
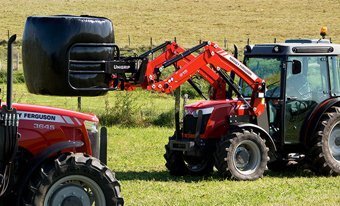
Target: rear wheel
x: 325, y: 153
x: 74, y: 180
x: 242, y: 156
x: 180, y: 164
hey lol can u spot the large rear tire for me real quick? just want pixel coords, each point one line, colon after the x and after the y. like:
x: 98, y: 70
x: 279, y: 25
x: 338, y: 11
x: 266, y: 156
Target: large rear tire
x: 242, y: 156
x: 325, y: 152
x: 73, y: 180
x: 180, y: 164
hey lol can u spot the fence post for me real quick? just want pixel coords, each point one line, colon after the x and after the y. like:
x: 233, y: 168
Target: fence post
x: 151, y: 47
x: 185, y: 101
x: 129, y: 40
x: 79, y: 104
x: 225, y: 44
x: 17, y: 60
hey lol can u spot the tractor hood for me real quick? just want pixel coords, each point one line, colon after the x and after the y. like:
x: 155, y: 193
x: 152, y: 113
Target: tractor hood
x: 43, y: 113
x: 207, y: 106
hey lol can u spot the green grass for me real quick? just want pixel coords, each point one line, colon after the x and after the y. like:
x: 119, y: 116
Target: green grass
x: 136, y: 155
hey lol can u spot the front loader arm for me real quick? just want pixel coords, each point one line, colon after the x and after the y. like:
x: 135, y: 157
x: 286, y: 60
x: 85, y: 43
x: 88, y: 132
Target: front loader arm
x: 218, y: 60
x: 172, y: 49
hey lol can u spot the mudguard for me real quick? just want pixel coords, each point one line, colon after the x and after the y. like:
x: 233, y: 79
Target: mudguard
x: 309, y: 126
x: 257, y: 129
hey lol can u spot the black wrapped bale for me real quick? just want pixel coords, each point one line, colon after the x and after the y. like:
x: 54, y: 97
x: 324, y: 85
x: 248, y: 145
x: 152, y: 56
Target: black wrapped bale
x: 47, y: 42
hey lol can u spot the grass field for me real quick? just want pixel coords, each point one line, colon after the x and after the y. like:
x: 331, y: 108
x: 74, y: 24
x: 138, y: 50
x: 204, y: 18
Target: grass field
x: 188, y: 20
x: 136, y: 153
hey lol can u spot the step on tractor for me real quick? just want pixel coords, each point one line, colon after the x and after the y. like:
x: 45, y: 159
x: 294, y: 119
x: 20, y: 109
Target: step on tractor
x: 281, y: 104
x: 51, y: 156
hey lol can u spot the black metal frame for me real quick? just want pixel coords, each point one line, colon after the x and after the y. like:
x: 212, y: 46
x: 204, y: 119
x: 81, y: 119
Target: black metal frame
x: 118, y: 64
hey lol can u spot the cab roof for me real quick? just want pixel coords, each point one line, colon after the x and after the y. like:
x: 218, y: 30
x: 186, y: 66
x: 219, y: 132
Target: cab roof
x: 307, y: 47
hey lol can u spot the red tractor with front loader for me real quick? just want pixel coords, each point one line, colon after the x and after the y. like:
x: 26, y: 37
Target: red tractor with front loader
x: 51, y: 156
x: 283, y: 105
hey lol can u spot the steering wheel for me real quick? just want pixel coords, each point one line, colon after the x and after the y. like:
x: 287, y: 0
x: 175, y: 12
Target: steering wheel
x: 271, y: 92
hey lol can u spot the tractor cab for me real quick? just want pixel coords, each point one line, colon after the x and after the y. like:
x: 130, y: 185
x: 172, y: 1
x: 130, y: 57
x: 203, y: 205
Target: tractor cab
x: 301, y: 75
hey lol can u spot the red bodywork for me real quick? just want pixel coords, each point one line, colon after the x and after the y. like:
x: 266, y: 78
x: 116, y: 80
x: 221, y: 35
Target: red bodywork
x: 41, y: 127
x: 219, y: 111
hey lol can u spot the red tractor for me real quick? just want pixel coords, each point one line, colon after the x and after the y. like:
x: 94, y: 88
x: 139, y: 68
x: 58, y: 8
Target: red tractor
x: 52, y: 156
x: 245, y: 127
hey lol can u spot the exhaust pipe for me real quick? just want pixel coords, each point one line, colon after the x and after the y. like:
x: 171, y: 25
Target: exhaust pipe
x: 10, y: 71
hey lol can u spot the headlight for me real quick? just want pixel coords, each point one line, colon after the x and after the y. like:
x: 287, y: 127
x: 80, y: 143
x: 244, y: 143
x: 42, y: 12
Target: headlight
x: 92, y: 130
x: 205, y: 111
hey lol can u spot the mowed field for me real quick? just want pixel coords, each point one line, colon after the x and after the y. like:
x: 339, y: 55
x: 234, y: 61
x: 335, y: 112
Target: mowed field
x: 136, y: 153
x: 188, y: 20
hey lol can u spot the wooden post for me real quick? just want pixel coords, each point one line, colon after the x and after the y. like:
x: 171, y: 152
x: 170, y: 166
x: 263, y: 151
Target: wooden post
x: 225, y: 43
x: 151, y: 47
x: 129, y: 40
x: 79, y: 104
x: 16, y: 67
x: 185, y: 101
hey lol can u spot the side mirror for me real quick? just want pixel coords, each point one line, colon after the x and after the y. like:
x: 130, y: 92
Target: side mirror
x: 296, y: 67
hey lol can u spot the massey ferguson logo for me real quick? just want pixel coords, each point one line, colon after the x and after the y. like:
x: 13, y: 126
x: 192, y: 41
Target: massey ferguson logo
x: 241, y: 66
x: 121, y: 67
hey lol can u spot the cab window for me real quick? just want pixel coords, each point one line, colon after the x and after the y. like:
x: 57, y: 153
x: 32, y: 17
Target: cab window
x: 267, y: 68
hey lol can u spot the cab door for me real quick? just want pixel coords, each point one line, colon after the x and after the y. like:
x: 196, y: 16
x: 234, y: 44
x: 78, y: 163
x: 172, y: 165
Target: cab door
x: 305, y: 88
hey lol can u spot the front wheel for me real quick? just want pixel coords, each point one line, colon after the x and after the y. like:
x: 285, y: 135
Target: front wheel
x: 180, y: 164
x: 76, y: 180
x: 242, y: 156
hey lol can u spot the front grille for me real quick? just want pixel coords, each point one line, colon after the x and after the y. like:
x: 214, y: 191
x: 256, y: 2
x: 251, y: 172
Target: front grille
x: 190, y: 122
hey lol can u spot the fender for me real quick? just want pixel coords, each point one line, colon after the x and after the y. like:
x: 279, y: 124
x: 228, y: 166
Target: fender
x: 310, y: 124
x: 269, y: 140
x: 40, y: 158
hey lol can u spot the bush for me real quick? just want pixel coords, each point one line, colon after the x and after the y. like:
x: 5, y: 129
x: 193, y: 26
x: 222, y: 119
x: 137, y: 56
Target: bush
x: 18, y: 77
x: 124, y: 110
x: 165, y: 119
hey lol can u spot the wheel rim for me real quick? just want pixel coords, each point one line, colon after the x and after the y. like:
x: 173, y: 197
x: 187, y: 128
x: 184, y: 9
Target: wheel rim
x: 75, y: 190
x: 247, y: 157
x: 334, y: 142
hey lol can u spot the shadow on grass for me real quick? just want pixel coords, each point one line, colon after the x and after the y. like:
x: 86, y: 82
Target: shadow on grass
x: 164, y: 176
